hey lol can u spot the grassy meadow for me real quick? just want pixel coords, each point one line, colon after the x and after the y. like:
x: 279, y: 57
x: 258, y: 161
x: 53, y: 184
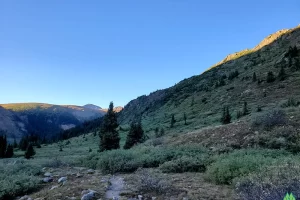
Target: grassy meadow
x: 255, y: 166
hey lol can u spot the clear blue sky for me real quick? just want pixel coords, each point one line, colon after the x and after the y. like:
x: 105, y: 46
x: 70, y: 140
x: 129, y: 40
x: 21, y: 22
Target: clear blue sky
x: 78, y: 52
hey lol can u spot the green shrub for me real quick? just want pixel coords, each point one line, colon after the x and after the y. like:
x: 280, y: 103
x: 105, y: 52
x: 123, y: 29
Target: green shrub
x: 56, y: 163
x: 240, y: 163
x: 271, y: 183
x: 285, y: 137
x: 17, y: 179
x: 268, y: 120
x: 270, y: 77
x: 140, y: 156
x: 185, y: 164
x: 291, y: 102
x: 151, y: 182
x: 117, y: 161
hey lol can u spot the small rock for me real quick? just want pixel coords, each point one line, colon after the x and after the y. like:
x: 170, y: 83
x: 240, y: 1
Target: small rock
x: 54, y: 187
x: 62, y: 180
x: 140, y: 197
x: 79, y: 175
x: 25, y: 198
x: 103, y: 180
x: 84, y: 192
x: 90, y: 171
x: 44, y: 169
x: 88, y: 196
x: 47, y: 174
x: 47, y: 180
x: 153, y: 198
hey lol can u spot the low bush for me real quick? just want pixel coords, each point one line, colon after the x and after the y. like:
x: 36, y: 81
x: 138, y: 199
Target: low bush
x: 139, y: 156
x: 228, y: 167
x: 271, y: 183
x: 285, y: 137
x: 17, y: 179
x: 185, y: 164
x: 268, y: 120
x: 117, y: 161
x: 56, y: 163
x: 151, y: 182
x: 291, y: 102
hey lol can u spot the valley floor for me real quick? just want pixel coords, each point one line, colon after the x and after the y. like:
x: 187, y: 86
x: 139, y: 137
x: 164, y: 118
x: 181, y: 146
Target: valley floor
x: 227, y: 162
x: 124, y: 186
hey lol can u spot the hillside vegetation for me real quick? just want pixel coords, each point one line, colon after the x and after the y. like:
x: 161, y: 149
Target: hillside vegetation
x: 229, y: 83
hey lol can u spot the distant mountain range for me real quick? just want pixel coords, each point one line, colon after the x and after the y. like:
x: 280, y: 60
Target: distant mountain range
x: 45, y: 120
x: 92, y: 106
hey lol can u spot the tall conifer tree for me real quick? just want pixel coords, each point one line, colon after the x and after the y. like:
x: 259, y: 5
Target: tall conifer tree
x: 109, y: 136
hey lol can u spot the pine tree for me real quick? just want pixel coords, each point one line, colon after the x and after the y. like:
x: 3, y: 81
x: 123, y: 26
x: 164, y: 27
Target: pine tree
x: 193, y: 101
x: 173, y: 121
x: 156, y: 131
x: 282, y: 74
x: 185, y: 118
x: 44, y: 141
x: 24, y: 143
x: 135, y: 135
x: 109, y: 136
x: 254, y: 78
x: 245, y: 109
x: 297, y: 64
x: 270, y: 77
x: 226, y: 117
x: 9, y: 151
x: 15, y: 145
x: 29, y: 151
x: 2, y: 146
x: 162, y: 132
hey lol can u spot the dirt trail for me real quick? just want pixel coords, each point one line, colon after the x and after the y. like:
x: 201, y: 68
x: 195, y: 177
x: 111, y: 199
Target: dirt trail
x: 116, y: 186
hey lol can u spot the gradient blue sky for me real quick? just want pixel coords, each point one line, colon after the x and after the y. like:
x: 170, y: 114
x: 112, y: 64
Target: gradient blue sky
x: 78, y: 52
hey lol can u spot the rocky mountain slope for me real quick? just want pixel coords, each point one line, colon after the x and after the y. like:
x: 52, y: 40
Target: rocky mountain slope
x: 45, y: 120
x: 229, y: 82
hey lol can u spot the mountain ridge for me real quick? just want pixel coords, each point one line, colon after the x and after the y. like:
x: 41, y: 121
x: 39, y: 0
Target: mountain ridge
x: 202, y: 96
x: 42, y: 119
